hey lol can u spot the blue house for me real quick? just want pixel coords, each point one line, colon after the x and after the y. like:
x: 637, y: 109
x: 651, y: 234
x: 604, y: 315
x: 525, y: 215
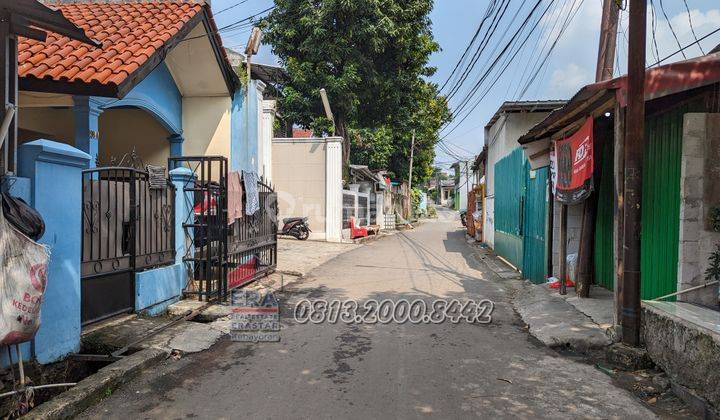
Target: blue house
x: 161, y: 86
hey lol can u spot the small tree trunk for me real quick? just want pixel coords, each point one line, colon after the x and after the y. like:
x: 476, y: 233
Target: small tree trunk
x: 342, y: 131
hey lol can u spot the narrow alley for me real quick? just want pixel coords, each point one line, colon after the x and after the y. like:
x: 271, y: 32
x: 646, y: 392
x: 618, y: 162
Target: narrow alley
x: 395, y: 370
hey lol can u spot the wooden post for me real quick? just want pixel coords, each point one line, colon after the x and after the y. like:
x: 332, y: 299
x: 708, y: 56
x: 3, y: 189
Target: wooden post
x: 604, y: 71
x: 608, y: 39
x: 551, y: 227
x: 619, y: 187
x: 563, y: 248
x: 634, y: 149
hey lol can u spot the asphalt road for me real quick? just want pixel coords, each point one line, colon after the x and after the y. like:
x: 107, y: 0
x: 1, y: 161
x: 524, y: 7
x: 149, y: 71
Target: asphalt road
x: 395, y: 370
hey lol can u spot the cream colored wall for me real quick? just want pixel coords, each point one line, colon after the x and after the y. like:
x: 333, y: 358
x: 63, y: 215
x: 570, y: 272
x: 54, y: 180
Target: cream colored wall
x: 206, y: 126
x: 49, y: 123
x: 121, y: 130
x: 299, y: 178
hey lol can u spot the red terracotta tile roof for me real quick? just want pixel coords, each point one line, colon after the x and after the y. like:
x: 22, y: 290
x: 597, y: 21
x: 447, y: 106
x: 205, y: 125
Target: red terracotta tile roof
x: 131, y: 33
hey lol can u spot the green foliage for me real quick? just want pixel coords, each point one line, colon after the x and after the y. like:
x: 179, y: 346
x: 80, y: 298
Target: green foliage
x: 715, y: 218
x: 432, y: 212
x: 372, y: 147
x: 372, y: 58
x: 713, y: 271
x: 415, y: 199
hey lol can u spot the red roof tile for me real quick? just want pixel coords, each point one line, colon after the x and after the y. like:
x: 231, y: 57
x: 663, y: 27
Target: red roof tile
x: 131, y: 32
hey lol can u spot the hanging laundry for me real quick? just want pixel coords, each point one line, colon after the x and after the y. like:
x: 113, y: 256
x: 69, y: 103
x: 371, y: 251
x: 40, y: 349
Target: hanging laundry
x: 252, y: 197
x: 235, y: 193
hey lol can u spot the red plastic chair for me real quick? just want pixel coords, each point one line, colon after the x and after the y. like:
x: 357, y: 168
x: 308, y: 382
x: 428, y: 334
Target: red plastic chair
x: 357, y: 231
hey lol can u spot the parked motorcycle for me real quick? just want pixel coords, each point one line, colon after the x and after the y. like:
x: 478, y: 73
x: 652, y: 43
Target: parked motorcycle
x: 296, y: 227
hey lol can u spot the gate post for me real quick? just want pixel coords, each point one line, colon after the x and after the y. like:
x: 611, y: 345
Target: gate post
x: 181, y: 177
x: 55, y: 173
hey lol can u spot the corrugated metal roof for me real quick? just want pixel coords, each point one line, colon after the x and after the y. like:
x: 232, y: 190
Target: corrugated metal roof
x: 659, y: 82
x: 525, y: 106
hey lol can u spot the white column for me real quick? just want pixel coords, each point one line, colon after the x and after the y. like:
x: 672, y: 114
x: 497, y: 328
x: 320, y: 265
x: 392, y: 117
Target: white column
x: 333, y: 189
x: 268, y: 124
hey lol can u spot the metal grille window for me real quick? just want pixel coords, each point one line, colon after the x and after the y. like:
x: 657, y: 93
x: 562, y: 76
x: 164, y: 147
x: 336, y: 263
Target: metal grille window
x: 363, y: 210
x: 348, y: 208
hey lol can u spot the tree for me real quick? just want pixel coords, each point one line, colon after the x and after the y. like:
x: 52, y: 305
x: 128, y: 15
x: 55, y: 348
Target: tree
x: 370, y: 56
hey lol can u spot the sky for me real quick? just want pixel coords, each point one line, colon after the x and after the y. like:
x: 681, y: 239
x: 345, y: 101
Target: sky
x: 570, y: 66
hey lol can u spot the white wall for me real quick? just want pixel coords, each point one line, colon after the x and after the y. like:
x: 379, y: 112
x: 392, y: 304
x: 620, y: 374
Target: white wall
x: 501, y: 139
x: 265, y: 146
x: 464, y: 185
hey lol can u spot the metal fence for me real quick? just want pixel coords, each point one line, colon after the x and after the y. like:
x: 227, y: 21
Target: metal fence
x: 127, y: 226
x: 252, y: 245
x: 357, y: 205
x: 205, y: 225
x: 224, y: 254
x: 126, y: 223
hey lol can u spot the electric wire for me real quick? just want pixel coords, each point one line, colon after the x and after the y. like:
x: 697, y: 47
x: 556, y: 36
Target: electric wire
x: 667, y: 19
x: 692, y: 28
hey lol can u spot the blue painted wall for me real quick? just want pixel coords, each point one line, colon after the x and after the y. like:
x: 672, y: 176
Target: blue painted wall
x: 156, y: 289
x: 244, y: 129
x: 158, y: 95
x: 55, y: 173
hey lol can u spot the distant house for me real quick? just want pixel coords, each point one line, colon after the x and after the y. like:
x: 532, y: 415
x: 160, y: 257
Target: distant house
x: 463, y: 184
x: 513, y: 192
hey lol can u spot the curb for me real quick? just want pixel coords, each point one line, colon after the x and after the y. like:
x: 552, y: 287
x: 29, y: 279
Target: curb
x: 95, y: 387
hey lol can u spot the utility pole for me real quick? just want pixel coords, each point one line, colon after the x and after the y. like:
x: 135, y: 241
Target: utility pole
x: 634, y: 149
x: 608, y: 39
x: 412, y: 155
x: 604, y: 71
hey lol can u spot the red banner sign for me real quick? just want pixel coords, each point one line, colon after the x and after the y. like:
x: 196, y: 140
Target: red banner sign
x: 572, y: 165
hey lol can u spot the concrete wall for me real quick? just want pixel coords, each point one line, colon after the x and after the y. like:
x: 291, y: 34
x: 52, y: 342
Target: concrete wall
x: 265, y: 146
x: 299, y: 175
x: 122, y: 130
x: 464, y: 185
x: 683, y: 340
x: 699, y: 194
x: 54, y: 171
x: 207, y: 126
x: 46, y: 123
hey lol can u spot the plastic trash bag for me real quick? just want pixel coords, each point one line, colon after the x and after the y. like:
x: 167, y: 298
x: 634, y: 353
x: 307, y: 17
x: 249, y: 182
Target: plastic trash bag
x: 25, y: 218
x: 572, y: 260
x: 23, y: 277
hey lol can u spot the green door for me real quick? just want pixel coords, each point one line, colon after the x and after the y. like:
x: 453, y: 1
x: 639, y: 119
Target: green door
x: 661, y: 204
x: 604, y: 224
x: 535, y: 225
x: 509, y: 200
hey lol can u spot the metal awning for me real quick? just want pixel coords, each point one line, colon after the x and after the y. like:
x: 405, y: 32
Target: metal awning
x: 598, y: 98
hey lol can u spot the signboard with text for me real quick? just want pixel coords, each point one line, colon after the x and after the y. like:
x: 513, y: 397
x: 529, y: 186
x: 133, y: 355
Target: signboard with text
x: 572, y: 166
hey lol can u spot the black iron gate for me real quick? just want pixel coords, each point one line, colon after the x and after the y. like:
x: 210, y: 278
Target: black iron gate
x: 253, y: 240
x: 205, y: 225
x: 127, y: 226
x: 223, y: 253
